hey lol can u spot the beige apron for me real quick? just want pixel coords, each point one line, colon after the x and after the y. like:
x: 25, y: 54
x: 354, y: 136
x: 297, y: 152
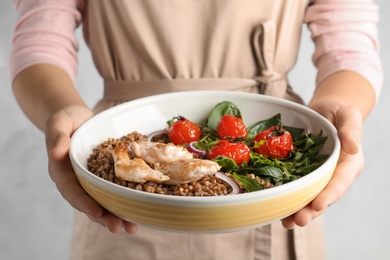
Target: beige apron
x: 146, y: 47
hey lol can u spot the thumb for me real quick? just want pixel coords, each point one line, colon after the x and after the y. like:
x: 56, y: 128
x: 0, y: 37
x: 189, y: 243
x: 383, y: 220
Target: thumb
x: 59, y: 151
x: 57, y: 134
x: 349, y: 124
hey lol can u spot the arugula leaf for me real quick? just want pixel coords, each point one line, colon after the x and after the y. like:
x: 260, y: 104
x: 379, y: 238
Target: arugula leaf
x: 273, y: 173
x: 248, y: 183
x: 227, y: 164
x: 306, y: 157
x: 303, y: 160
x: 207, y: 141
x: 309, y: 141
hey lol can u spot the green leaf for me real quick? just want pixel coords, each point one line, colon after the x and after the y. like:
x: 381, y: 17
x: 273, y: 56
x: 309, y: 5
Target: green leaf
x: 207, y: 141
x: 221, y: 109
x: 294, y: 131
x: 227, y: 164
x: 304, y: 159
x: 273, y: 173
x: 258, y: 160
x: 262, y: 125
x: 248, y: 183
x: 273, y: 121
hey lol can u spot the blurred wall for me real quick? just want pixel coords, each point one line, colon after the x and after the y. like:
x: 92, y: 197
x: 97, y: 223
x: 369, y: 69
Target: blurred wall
x: 35, y: 222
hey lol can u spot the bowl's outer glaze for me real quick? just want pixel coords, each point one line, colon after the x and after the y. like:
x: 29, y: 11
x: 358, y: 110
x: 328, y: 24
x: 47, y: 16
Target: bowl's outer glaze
x: 200, y: 214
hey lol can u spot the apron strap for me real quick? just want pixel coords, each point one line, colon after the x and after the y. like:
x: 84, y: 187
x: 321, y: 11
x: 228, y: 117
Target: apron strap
x: 300, y: 245
x: 271, y: 82
x: 263, y: 243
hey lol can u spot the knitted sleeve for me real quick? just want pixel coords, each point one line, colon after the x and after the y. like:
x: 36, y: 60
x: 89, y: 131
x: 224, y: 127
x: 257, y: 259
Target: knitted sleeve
x: 346, y: 38
x: 44, y: 33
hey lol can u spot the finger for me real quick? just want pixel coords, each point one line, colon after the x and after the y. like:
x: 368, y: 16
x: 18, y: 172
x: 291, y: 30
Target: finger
x: 349, y: 123
x: 115, y: 224
x: 76, y: 196
x: 60, y: 127
x: 347, y: 170
x: 60, y: 149
x: 61, y: 172
x: 63, y: 176
x: 307, y: 214
x: 129, y: 227
x: 301, y: 218
x: 109, y: 221
x: 58, y: 131
x: 288, y: 222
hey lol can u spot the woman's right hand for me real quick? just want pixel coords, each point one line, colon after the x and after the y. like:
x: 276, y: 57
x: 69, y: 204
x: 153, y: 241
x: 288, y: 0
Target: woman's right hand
x: 59, y: 129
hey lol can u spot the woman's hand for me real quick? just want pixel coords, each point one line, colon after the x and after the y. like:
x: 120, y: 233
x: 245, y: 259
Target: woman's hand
x: 59, y: 128
x: 348, y: 120
x: 49, y: 98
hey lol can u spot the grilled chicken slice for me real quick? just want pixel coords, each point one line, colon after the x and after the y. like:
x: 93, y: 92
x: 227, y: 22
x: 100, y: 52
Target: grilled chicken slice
x: 153, y: 152
x: 186, y: 171
x: 134, y: 169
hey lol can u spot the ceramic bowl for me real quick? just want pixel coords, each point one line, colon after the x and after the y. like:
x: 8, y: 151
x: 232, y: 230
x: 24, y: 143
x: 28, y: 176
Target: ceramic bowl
x: 200, y: 214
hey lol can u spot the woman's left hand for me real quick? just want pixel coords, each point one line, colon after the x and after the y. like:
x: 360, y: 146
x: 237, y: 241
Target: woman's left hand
x: 348, y: 121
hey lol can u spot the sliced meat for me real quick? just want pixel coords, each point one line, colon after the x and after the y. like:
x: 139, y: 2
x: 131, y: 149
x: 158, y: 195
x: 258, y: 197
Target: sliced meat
x: 186, y: 171
x: 153, y: 152
x: 134, y: 169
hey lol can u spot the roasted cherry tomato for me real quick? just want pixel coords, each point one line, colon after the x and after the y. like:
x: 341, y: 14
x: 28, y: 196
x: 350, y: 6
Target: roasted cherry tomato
x: 231, y: 126
x: 275, y: 142
x: 239, y: 152
x: 183, y: 131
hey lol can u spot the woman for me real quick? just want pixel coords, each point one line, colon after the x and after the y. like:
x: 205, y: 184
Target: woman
x: 142, y: 47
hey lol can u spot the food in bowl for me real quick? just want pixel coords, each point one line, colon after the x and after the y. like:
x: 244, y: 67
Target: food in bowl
x: 218, y: 156
x: 194, y: 214
x: 101, y: 163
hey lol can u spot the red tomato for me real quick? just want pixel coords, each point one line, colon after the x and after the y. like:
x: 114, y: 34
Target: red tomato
x: 231, y: 126
x: 275, y: 142
x: 183, y: 131
x: 239, y: 152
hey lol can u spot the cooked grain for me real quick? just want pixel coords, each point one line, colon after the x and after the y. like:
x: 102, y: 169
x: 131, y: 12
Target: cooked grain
x: 101, y: 163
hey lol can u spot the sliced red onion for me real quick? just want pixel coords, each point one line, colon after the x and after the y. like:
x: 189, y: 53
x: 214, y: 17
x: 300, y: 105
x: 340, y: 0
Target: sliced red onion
x: 191, y: 148
x: 229, y: 181
x: 160, y: 132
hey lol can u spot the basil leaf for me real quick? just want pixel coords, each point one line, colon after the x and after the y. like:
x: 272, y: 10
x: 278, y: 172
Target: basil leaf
x: 262, y: 126
x: 294, y: 131
x: 221, y: 109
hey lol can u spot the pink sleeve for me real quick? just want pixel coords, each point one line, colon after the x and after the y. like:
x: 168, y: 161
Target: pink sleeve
x: 346, y: 38
x: 44, y: 33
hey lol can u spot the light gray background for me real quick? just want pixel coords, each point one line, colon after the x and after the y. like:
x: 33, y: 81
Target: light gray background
x: 35, y: 222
